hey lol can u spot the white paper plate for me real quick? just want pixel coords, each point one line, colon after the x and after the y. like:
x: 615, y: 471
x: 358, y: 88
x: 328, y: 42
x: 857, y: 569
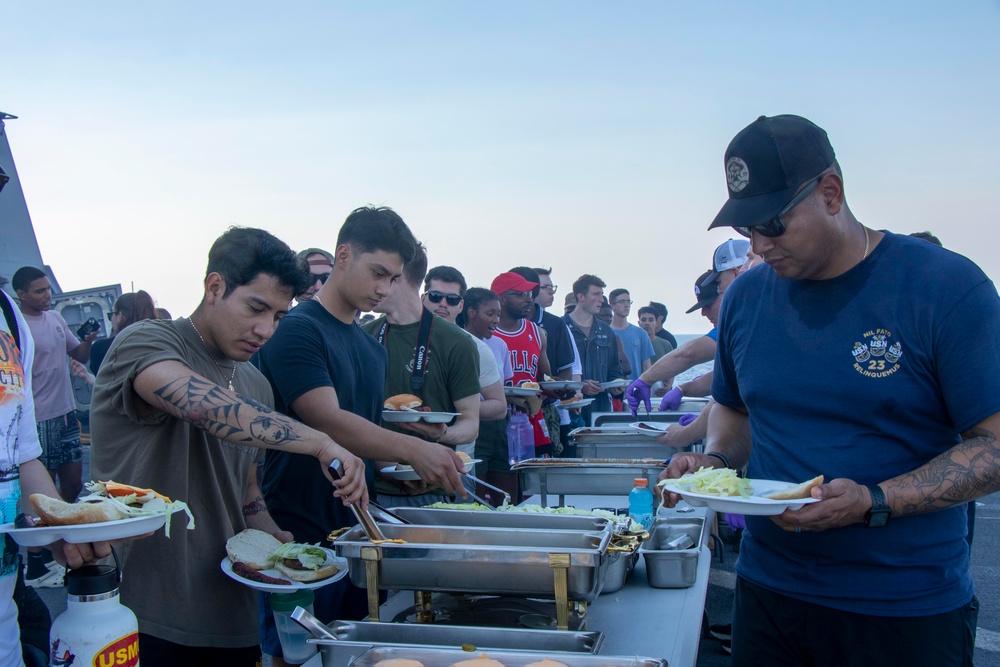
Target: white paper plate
x: 651, y: 429
x: 410, y: 475
x: 575, y: 404
x: 408, y: 417
x: 612, y: 384
x: 521, y: 392
x: 558, y: 385
x: 86, y: 532
x: 754, y: 505
x: 227, y: 567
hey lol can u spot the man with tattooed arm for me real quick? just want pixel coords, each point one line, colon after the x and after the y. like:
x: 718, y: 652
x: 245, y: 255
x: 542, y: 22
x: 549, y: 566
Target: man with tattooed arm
x: 870, y: 358
x: 177, y: 408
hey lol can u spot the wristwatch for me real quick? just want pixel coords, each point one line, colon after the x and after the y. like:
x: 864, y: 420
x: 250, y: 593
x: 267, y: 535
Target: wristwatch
x: 880, y: 512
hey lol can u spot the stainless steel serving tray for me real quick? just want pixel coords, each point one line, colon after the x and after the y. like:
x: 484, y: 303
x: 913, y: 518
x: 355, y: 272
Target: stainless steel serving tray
x: 431, y: 657
x: 444, y: 517
x: 617, y: 443
x: 596, y: 477
x: 495, y: 561
x: 354, y: 638
x: 672, y: 568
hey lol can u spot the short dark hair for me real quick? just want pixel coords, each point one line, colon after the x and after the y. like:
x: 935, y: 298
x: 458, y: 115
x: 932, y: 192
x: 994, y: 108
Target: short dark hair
x: 24, y: 276
x: 135, y: 306
x: 475, y: 297
x: 415, y: 268
x: 371, y: 228
x: 446, y: 274
x: 647, y: 310
x: 927, y: 236
x: 661, y: 310
x: 543, y: 272
x: 243, y: 253
x: 583, y: 284
x: 531, y: 275
x: 615, y: 293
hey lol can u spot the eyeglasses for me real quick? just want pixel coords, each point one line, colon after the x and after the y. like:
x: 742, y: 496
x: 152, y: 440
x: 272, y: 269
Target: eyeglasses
x: 435, y: 296
x: 523, y: 295
x: 551, y: 289
x: 112, y: 314
x: 775, y: 227
x: 621, y: 301
x: 322, y: 277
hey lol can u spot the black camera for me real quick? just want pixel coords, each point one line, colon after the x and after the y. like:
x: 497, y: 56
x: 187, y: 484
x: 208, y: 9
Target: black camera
x: 87, y: 328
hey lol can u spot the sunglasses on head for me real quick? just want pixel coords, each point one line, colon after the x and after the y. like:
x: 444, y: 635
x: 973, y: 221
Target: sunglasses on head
x: 775, y: 227
x: 452, y: 299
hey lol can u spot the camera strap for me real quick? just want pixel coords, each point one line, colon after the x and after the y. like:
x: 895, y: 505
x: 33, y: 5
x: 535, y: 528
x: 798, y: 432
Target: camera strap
x: 8, y: 314
x: 420, y: 353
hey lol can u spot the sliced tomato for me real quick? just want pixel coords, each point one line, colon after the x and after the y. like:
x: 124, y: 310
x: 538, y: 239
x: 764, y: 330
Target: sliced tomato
x: 117, y: 490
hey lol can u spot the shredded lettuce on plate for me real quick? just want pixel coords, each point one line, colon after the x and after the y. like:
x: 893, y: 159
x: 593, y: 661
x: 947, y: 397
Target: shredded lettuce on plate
x: 713, y: 482
x: 310, y: 555
x: 151, y: 507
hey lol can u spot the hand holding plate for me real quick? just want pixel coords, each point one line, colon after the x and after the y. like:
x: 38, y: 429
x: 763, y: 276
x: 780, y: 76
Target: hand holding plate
x: 844, y: 503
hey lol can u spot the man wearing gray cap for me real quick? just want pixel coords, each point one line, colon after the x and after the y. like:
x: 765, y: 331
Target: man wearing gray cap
x: 848, y: 356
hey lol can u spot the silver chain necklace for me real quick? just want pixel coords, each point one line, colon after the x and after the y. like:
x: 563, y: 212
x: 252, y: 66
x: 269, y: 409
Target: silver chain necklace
x: 214, y: 361
x: 864, y: 256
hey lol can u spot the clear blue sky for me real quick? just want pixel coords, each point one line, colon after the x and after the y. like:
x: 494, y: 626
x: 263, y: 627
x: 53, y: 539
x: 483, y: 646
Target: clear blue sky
x: 586, y: 136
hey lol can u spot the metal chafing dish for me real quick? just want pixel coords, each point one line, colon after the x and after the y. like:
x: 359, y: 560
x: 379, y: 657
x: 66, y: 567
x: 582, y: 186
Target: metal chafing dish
x: 446, y: 517
x: 354, y: 638
x: 668, y: 567
x: 560, y: 564
x: 617, y: 443
x: 599, y: 477
x: 431, y: 657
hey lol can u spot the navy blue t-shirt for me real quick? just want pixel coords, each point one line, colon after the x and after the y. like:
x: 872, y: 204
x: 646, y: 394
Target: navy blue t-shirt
x: 866, y: 376
x: 313, y: 349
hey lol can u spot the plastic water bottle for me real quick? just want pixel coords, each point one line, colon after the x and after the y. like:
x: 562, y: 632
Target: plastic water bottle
x: 95, y: 629
x: 292, y: 636
x: 520, y: 438
x: 640, y: 503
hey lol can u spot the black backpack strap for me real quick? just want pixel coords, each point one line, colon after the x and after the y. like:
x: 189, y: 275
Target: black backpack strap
x: 8, y: 313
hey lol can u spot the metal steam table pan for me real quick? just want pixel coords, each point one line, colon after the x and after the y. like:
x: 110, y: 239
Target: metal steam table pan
x: 430, y: 657
x: 495, y: 561
x: 511, y: 519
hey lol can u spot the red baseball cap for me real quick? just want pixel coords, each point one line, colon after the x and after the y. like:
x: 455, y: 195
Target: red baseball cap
x: 506, y: 282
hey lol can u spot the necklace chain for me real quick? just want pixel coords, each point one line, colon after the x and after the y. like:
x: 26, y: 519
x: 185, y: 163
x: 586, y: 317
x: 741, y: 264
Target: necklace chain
x: 214, y: 360
x: 864, y: 256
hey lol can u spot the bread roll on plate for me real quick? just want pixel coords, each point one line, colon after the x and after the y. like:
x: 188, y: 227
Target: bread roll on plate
x: 56, y: 512
x: 796, y: 492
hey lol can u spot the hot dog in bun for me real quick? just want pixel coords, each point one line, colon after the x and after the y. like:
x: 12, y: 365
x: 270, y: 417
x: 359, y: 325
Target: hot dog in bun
x: 803, y: 490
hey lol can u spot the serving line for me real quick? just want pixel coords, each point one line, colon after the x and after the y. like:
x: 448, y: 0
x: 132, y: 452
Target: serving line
x: 637, y: 619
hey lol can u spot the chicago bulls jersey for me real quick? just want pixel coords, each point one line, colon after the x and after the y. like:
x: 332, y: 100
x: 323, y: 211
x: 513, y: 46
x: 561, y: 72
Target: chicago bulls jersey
x: 525, y: 345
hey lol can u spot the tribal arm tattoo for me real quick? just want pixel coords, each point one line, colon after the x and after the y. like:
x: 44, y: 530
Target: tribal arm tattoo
x: 967, y: 471
x: 235, y: 419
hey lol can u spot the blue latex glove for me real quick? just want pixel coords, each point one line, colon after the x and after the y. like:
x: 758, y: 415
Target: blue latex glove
x: 687, y: 418
x: 637, y: 392
x: 671, y: 400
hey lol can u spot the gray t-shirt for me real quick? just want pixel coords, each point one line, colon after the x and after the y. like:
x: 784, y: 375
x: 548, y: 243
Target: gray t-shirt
x: 175, y: 586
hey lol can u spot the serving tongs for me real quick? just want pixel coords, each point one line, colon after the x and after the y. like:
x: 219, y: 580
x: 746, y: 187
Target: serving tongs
x: 364, y: 518
x: 481, y: 501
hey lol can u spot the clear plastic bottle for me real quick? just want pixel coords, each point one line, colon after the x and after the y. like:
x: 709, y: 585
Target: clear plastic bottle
x: 640, y: 503
x: 520, y: 438
x: 292, y: 636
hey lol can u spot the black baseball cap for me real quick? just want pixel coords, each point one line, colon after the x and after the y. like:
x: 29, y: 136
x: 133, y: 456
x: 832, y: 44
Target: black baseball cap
x: 705, y: 294
x: 765, y: 165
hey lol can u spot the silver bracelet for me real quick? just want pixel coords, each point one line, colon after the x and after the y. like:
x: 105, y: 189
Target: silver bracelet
x: 722, y: 457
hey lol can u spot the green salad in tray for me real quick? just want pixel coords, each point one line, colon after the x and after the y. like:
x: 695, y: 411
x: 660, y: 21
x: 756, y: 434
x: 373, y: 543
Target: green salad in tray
x: 712, y: 482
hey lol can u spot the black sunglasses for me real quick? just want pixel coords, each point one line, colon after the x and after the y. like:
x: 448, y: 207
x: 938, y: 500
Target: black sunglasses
x: 113, y: 313
x: 774, y: 227
x: 322, y: 277
x: 452, y: 299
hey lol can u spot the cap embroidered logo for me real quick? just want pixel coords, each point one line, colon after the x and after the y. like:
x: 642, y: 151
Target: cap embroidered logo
x: 737, y: 174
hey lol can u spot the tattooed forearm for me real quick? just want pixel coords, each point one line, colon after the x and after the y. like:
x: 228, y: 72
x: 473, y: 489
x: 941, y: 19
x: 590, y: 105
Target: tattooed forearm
x: 226, y: 417
x: 256, y: 506
x: 966, y: 471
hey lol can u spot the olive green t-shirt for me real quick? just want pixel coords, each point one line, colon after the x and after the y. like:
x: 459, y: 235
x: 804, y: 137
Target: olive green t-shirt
x: 175, y: 586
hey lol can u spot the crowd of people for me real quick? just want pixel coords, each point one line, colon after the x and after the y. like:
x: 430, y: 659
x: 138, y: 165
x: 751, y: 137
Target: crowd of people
x: 836, y: 351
